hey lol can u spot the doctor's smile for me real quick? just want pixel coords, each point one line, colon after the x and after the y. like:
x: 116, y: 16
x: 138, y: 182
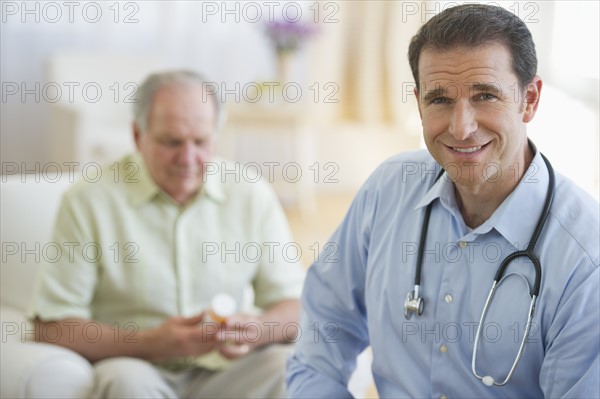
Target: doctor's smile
x: 468, y: 150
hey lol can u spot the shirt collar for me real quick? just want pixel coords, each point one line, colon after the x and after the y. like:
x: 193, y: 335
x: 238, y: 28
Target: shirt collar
x: 146, y: 189
x: 516, y: 218
x: 213, y: 187
x: 518, y: 215
x: 443, y: 188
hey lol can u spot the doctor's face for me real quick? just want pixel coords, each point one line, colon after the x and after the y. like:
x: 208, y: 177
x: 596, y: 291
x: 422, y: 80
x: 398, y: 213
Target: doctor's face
x: 474, y: 112
x: 179, y: 139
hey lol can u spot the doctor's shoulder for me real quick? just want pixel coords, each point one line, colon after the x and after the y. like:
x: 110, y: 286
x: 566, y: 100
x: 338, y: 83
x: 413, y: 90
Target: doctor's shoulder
x: 578, y: 214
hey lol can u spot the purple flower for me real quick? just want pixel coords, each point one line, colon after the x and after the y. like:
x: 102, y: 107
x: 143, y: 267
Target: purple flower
x: 287, y: 35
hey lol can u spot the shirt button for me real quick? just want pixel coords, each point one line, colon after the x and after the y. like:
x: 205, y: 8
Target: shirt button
x: 463, y: 244
x: 448, y: 298
x: 443, y: 348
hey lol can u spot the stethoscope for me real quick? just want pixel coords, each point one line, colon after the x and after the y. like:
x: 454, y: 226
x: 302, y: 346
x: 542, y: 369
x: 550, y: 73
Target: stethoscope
x: 415, y: 303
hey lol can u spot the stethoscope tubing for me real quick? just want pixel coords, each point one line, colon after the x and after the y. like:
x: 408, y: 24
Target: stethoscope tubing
x: 528, y: 253
x: 415, y: 304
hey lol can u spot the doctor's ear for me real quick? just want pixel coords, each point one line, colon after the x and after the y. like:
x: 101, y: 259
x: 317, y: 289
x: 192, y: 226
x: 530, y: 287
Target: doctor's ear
x: 531, y: 98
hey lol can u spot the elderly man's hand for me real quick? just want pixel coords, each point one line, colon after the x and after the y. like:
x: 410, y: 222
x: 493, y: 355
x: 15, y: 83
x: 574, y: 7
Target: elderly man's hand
x: 243, y: 333
x: 240, y: 335
x: 181, y: 336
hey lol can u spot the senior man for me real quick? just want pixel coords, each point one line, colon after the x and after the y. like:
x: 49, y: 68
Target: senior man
x: 430, y: 232
x: 171, y: 228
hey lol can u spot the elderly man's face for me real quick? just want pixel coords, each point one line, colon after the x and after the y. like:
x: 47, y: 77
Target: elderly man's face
x: 474, y: 113
x: 179, y: 139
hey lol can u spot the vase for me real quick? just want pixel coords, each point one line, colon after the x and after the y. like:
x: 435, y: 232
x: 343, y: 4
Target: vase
x: 284, y: 64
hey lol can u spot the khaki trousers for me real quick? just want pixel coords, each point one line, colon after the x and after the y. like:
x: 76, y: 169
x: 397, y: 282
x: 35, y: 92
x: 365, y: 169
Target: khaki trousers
x: 260, y: 374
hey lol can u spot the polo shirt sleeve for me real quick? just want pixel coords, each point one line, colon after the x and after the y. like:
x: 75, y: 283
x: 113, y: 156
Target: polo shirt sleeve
x: 280, y: 274
x: 65, y: 288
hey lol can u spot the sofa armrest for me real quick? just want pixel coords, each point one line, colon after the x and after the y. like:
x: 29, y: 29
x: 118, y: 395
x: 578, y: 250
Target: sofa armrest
x: 58, y: 372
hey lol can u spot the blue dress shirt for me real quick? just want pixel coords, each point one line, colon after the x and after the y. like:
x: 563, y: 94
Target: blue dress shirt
x: 354, y: 294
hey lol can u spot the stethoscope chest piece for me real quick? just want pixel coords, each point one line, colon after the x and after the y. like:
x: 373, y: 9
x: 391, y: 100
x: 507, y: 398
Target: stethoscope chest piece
x: 413, y: 304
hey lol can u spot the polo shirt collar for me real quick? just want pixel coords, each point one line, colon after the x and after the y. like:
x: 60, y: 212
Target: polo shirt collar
x: 146, y: 189
x: 213, y: 187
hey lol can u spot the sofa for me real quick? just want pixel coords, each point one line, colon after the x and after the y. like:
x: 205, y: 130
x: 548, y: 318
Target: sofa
x: 28, y: 207
x: 34, y: 370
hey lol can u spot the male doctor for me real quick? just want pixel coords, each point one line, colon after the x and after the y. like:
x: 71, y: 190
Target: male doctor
x: 477, y: 89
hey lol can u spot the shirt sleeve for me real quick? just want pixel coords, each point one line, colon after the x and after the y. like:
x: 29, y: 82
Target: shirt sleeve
x: 571, y: 366
x: 280, y: 274
x: 334, y: 321
x: 65, y: 288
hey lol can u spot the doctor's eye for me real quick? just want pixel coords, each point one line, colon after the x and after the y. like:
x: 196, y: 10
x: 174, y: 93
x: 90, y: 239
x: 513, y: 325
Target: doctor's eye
x: 486, y: 97
x: 440, y: 100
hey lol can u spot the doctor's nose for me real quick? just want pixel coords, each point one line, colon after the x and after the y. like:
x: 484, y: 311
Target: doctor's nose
x: 462, y: 120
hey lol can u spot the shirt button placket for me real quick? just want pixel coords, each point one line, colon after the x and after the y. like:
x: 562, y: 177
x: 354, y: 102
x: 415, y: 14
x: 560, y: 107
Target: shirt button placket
x: 442, y: 349
x: 448, y: 299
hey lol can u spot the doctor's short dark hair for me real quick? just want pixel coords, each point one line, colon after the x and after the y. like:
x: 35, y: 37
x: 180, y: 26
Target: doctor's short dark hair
x: 153, y: 83
x: 475, y: 25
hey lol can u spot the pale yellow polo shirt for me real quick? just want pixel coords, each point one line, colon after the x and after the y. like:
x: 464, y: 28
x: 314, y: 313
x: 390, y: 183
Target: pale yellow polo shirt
x: 130, y: 254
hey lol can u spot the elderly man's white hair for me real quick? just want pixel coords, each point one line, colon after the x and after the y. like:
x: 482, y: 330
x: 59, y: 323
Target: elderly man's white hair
x: 157, y: 81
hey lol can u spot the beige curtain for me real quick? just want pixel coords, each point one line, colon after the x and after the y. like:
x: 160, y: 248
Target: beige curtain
x: 365, y: 53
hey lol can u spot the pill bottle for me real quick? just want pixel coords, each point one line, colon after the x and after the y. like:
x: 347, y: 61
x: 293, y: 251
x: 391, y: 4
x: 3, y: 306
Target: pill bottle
x: 222, y: 306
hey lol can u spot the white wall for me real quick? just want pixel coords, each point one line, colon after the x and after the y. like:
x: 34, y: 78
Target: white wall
x: 230, y: 48
x: 181, y: 34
